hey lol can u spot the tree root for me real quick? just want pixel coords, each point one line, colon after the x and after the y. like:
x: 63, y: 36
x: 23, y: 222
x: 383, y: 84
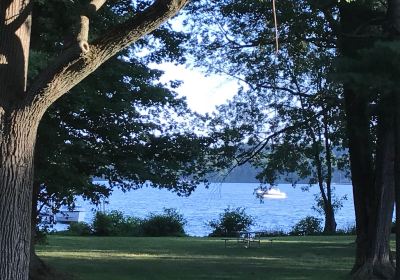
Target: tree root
x: 373, y: 271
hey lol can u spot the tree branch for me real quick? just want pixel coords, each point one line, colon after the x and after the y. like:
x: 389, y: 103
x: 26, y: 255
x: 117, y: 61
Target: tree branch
x: 83, y: 34
x: 73, y: 66
x: 247, y: 156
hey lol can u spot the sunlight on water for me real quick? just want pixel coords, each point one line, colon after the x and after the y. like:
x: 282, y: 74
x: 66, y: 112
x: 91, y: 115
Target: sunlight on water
x: 206, y: 204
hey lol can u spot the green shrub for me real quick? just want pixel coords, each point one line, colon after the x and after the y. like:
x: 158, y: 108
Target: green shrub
x: 349, y: 230
x: 115, y: 224
x: 79, y: 229
x: 308, y: 226
x: 131, y: 226
x: 170, y: 223
x: 230, y: 222
x: 273, y: 233
x: 103, y: 224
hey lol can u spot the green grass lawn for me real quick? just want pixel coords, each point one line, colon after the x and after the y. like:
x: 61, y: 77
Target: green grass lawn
x: 128, y: 258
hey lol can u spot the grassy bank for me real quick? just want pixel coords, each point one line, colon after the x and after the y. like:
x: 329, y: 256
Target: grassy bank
x: 119, y: 258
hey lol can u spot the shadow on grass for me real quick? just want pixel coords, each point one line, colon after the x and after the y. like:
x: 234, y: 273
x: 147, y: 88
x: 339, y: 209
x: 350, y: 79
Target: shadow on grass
x: 191, y: 258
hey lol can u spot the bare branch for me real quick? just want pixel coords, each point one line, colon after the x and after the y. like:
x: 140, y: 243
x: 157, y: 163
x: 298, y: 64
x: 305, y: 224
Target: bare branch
x: 297, y: 92
x: 249, y: 155
x: 87, y: 12
x: 73, y: 66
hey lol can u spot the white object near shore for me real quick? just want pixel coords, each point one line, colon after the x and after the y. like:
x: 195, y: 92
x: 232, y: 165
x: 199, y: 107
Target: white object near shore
x: 68, y: 216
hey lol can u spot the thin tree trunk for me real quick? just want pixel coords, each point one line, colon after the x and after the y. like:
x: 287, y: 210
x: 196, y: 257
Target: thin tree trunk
x: 330, y: 221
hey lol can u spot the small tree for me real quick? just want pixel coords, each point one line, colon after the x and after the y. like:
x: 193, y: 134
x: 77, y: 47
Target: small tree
x: 230, y: 222
x: 308, y: 226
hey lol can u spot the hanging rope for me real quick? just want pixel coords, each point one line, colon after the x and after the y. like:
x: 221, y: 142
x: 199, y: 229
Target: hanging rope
x: 276, y: 26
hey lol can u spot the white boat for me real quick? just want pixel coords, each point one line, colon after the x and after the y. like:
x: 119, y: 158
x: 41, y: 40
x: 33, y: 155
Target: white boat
x: 259, y: 191
x: 274, y: 193
x: 66, y: 215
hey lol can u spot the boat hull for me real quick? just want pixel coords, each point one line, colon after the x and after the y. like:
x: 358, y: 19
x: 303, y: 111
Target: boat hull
x: 275, y: 196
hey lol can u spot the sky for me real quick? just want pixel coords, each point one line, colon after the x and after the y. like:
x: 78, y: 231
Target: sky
x: 203, y: 92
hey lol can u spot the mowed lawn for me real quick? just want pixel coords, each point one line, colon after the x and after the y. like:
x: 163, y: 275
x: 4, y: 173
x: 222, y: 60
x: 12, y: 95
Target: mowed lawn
x: 128, y: 258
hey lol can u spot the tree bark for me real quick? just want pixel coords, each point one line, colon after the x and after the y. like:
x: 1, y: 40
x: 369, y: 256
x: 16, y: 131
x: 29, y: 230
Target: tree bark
x: 393, y: 29
x: 396, y: 98
x: 330, y: 221
x: 16, y: 174
x: 358, y: 131
x: 379, y: 262
x: 373, y: 194
x: 15, y: 28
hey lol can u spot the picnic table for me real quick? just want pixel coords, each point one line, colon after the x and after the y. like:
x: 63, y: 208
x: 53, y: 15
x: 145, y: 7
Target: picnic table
x: 249, y: 237
x: 245, y: 237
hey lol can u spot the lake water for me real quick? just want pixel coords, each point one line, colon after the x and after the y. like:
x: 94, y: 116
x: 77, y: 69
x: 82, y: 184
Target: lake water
x: 206, y: 204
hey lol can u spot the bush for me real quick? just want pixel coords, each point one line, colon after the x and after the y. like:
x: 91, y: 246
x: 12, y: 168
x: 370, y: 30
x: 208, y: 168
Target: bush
x: 131, y: 226
x: 273, y: 233
x: 349, y: 230
x: 230, y: 222
x: 308, y: 226
x: 79, y: 229
x: 115, y: 224
x: 104, y: 224
x: 170, y: 223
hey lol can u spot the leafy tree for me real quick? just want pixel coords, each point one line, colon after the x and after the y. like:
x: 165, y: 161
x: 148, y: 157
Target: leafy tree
x: 287, y: 112
x: 22, y: 105
x: 359, y: 39
x: 119, y: 124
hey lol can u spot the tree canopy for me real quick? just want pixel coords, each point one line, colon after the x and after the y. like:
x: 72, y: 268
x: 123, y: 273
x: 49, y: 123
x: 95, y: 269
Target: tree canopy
x: 288, y: 110
x: 335, y: 69
x: 119, y: 124
x: 71, y: 54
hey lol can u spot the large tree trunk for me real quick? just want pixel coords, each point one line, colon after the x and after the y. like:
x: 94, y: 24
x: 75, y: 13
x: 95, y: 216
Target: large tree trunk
x: 361, y: 169
x: 372, y: 195
x: 17, y: 139
x: 396, y: 98
x: 393, y: 29
x: 379, y: 263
